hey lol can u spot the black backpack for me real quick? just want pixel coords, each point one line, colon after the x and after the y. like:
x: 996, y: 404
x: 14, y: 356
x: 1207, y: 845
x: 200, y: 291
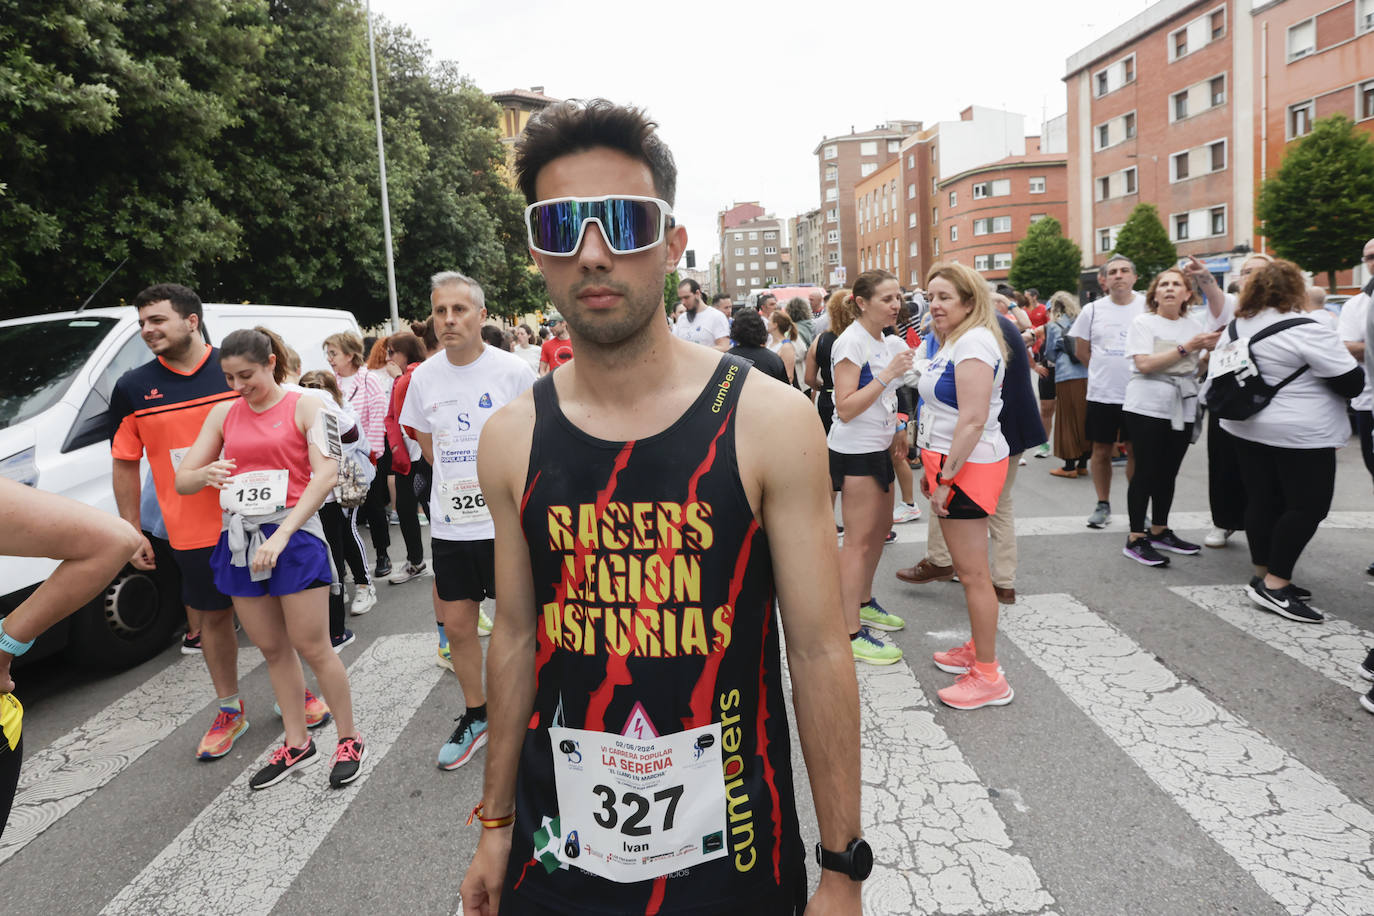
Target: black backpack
x: 1240, y: 394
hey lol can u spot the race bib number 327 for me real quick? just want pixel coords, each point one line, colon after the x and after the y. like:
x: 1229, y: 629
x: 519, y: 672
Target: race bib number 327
x: 632, y: 810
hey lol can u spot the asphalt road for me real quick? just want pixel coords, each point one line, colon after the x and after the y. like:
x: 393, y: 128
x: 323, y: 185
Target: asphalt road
x: 1170, y: 750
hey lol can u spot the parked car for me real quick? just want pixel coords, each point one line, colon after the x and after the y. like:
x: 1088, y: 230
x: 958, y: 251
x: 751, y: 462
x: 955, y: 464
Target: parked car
x: 57, y: 372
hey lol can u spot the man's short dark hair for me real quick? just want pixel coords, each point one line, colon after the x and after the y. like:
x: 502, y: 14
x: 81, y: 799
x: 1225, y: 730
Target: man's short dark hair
x: 184, y: 300
x: 691, y: 284
x: 574, y: 126
x: 719, y: 296
x: 748, y: 329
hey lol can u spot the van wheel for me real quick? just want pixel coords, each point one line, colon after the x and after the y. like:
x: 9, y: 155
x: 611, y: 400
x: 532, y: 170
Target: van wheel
x: 129, y: 623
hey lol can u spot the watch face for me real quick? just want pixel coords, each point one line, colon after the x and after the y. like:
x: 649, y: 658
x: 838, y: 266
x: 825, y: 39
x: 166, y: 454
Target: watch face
x: 861, y: 861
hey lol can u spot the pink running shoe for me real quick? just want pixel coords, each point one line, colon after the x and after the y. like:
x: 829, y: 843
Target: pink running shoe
x: 957, y: 660
x: 974, y: 690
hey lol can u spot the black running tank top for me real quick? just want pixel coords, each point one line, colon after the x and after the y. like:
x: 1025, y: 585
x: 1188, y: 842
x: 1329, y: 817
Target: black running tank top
x: 655, y: 600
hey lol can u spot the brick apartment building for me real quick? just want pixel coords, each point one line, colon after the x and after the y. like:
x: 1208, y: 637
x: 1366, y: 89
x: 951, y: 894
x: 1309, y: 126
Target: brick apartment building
x: 752, y: 253
x: 878, y: 214
x: 517, y: 107
x: 1189, y: 105
x: 842, y: 162
x: 806, y: 231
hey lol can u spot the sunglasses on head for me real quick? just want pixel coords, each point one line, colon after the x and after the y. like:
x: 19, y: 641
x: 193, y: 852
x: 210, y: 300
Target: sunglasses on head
x: 628, y: 223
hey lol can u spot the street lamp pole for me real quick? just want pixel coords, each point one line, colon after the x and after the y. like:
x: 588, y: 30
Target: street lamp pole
x: 381, y: 165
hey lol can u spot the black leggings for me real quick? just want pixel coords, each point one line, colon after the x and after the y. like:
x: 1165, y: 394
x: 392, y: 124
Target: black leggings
x: 9, y: 777
x: 341, y: 531
x: 374, y: 508
x: 1225, y: 485
x: 407, y: 505
x: 333, y: 521
x: 1159, y: 452
x: 1364, y: 424
x: 1290, y: 490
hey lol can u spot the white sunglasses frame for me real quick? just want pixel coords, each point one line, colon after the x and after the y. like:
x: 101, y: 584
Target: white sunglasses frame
x: 665, y: 221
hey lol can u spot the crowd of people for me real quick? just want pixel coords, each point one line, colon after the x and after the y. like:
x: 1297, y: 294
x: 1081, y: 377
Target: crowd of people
x: 627, y: 510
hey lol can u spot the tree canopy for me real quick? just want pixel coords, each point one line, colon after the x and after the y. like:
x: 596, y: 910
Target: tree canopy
x: 1318, y: 209
x: 1145, y: 241
x: 231, y: 147
x: 1045, y: 260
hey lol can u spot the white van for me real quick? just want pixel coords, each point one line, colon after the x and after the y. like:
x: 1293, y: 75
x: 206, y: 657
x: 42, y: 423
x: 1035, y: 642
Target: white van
x: 56, y: 375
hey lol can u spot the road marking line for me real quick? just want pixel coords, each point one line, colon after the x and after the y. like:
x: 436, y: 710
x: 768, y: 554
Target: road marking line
x: 245, y: 848
x: 929, y: 815
x: 1077, y: 524
x: 1302, y: 840
x: 70, y: 770
x: 1333, y: 649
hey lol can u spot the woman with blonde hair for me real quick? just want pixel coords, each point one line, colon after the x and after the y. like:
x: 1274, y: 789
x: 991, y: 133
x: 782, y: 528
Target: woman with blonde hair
x: 864, y: 440
x: 964, y: 457
x: 1071, y: 444
x: 839, y: 315
x: 783, y: 341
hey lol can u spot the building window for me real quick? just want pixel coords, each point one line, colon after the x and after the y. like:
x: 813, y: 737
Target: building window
x: 1302, y: 39
x: 832, y: 193
x: 1365, y: 20
x: 1037, y: 217
x: 739, y: 281
x: 739, y: 236
x: 1129, y: 121
x: 894, y: 146
x: 867, y: 168
x: 756, y: 281
x: 1218, y: 155
x: 833, y: 257
x: 770, y: 235
x: 937, y: 246
x: 1001, y: 224
x: 739, y: 267
x: 1102, y: 83
x: 911, y: 191
x: 1104, y: 187
x: 739, y: 252
x: 934, y: 154
x: 1218, y: 24
x: 1001, y: 261
x: 911, y: 250
x: 753, y: 265
x: 831, y: 173
x: 911, y: 160
x: 1180, y: 43
x: 1180, y: 163
x: 1181, y: 227
x: 1128, y: 70
x: 1180, y: 105
x: 832, y: 215
x: 832, y: 235
x: 1130, y: 180
x: 831, y: 151
x: 770, y: 265
x: 934, y: 214
x: 1299, y: 119
x: 911, y: 220
x: 770, y: 249
x: 1104, y: 240
x: 954, y: 233
x: 1218, y: 220
x: 754, y: 250
x: 1037, y: 185
x: 980, y: 262
x: 1367, y: 96
x: 1218, y: 90
x: 1103, y: 137
x: 868, y: 148
x: 953, y: 199
x: 753, y: 237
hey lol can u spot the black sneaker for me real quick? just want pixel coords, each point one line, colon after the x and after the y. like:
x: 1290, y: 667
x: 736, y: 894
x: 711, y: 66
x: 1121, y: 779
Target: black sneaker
x: 190, y: 645
x: 344, y: 639
x: 1167, y: 540
x: 1301, y: 592
x: 284, y: 761
x: 1367, y: 669
x: 1282, y: 601
x: 347, y: 761
x: 1144, y: 553
x: 1367, y: 700
x: 383, y: 568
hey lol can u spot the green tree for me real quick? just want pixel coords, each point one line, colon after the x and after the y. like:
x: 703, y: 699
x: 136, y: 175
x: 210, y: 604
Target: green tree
x: 1318, y: 209
x: 108, y: 132
x: 1045, y: 260
x: 670, y: 285
x: 1145, y: 241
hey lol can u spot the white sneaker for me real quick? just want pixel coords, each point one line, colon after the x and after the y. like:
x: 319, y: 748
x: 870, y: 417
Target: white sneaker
x: 905, y: 512
x: 1217, y: 537
x: 364, y: 599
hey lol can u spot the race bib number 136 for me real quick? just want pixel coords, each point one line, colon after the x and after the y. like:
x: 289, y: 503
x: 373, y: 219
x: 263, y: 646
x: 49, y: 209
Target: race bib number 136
x: 632, y: 810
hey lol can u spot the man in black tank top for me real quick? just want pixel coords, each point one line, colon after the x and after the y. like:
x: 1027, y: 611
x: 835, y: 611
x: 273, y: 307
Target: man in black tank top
x: 639, y: 750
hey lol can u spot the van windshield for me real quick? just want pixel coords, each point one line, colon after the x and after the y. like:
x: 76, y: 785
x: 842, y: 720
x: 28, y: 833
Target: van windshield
x: 38, y: 361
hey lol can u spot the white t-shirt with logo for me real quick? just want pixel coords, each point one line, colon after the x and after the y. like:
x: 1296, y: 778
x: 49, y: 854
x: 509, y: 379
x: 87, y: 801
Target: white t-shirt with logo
x: 940, y: 397
x: 1153, y: 395
x: 1351, y: 325
x: 710, y: 326
x: 872, y: 430
x: 1106, y: 325
x: 452, y: 404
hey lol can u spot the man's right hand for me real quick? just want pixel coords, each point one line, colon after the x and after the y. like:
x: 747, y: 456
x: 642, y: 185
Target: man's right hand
x: 144, y: 558
x: 481, y: 888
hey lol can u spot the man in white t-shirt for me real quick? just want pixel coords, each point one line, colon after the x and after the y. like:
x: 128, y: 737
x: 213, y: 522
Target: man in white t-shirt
x: 451, y: 396
x: 1100, y: 333
x: 701, y: 324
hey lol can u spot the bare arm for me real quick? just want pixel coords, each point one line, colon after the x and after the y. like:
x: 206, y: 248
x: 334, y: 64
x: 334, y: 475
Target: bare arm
x: 426, y: 441
x: 502, y: 462
x: 1155, y: 362
x: 1083, y: 350
x: 850, y: 399
x: 811, y: 373
x: 128, y: 491
x: 1356, y: 348
x: 1207, y: 285
x: 806, y: 566
x: 973, y: 380
x: 201, y: 466
x: 788, y: 352
x: 722, y: 344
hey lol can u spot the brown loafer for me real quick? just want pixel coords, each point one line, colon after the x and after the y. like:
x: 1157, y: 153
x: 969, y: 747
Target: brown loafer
x: 1061, y: 472
x: 1005, y: 595
x: 926, y: 571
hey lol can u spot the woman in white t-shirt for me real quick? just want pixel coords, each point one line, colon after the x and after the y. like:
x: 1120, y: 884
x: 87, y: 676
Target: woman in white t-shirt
x: 964, y: 456
x: 782, y: 340
x: 1164, y: 346
x: 864, y: 441
x: 525, y: 347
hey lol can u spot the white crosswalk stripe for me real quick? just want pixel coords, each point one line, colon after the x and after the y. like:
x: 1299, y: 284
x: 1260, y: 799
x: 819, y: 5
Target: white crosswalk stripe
x: 1333, y: 649
x: 1054, y: 525
x: 65, y: 773
x: 1303, y: 841
x: 249, y: 846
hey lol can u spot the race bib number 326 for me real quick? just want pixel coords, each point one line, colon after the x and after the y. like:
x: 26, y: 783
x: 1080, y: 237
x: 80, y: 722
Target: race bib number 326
x: 632, y: 810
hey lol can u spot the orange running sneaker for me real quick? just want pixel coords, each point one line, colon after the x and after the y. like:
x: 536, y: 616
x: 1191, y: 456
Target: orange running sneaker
x: 974, y: 690
x: 224, y: 731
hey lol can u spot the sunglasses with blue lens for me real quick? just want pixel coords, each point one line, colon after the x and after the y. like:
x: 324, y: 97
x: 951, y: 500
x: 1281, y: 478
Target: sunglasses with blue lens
x: 628, y: 223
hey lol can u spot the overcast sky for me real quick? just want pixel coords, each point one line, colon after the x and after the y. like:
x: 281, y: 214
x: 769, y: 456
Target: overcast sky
x: 818, y: 68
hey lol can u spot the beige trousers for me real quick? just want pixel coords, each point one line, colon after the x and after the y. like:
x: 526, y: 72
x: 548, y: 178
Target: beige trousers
x: 1001, y: 531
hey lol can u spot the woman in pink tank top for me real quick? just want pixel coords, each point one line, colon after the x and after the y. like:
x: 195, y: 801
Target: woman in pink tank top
x: 273, y: 455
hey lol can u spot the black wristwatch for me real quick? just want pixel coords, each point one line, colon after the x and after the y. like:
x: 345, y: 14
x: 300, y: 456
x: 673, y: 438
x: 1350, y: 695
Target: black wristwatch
x: 856, y: 861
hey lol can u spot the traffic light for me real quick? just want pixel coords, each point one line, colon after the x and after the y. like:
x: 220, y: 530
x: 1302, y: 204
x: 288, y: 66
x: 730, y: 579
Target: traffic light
x: 691, y: 260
